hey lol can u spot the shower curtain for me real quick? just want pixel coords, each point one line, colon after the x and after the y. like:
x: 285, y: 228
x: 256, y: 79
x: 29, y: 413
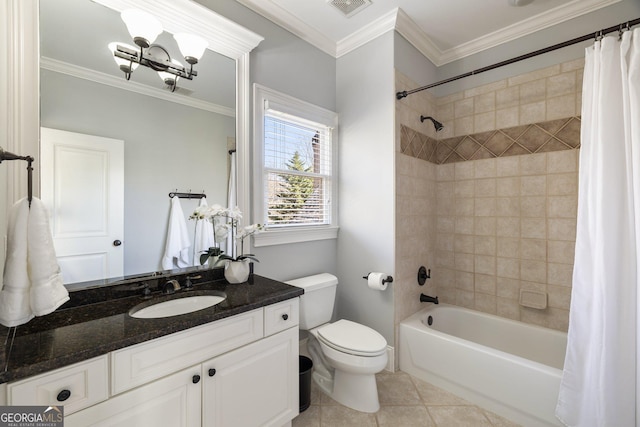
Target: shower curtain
x: 600, y: 380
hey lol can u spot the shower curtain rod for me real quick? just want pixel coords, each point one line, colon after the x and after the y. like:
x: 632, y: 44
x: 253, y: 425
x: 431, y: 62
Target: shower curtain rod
x: 598, y: 34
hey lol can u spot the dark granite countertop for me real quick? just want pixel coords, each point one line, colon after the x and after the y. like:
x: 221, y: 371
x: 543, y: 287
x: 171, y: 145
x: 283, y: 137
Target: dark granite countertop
x: 96, y: 322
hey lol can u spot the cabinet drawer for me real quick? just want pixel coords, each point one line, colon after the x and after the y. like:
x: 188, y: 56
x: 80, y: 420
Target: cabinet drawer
x: 281, y: 316
x: 141, y: 363
x: 87, y: 383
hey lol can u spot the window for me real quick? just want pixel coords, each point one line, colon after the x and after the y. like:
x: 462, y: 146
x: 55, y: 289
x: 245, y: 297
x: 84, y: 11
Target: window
x: 295, y: 179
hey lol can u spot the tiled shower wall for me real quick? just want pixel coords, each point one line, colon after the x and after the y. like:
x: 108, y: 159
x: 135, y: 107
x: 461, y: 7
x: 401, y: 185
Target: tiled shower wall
x: 415, y: 209
x: 501, y: 220
x: 505, y: 225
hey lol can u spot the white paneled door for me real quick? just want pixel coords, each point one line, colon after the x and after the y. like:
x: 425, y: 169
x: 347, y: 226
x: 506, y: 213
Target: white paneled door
x: 83, y: 188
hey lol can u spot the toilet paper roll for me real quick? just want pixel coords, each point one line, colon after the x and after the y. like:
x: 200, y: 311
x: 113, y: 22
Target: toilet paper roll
x: 374, y: 280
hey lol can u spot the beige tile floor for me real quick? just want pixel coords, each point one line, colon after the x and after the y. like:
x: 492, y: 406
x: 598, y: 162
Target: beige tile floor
x: 405, y: 402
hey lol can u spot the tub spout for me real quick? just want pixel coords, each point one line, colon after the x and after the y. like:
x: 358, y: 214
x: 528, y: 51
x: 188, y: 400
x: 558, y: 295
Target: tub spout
x: 427, y: 298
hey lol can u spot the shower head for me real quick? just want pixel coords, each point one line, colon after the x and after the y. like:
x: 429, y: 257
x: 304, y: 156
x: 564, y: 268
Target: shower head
x: 439, y: 126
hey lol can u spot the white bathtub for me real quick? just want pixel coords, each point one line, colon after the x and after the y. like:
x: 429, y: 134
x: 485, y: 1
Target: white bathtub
x: 508, y: 367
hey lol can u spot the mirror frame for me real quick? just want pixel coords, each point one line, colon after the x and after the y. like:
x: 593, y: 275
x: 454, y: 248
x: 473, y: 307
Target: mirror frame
x: 20, y: 91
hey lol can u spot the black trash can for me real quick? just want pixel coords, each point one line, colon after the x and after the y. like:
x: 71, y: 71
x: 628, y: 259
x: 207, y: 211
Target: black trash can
x: 305, y: 366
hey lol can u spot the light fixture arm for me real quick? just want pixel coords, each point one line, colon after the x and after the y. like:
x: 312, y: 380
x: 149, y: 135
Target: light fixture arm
x: 148, y: 58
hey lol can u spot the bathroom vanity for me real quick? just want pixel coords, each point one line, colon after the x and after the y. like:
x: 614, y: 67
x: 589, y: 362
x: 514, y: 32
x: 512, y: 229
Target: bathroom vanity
x: 232, y: 364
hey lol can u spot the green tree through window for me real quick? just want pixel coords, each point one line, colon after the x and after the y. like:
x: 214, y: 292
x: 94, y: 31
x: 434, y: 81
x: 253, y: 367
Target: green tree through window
x: 293, y: 192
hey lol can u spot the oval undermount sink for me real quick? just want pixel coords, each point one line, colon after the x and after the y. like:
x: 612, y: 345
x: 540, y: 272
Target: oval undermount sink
x: 176, y: 307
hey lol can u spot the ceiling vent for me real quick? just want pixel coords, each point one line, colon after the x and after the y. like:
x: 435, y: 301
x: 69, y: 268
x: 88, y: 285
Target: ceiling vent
x: 349, y: 7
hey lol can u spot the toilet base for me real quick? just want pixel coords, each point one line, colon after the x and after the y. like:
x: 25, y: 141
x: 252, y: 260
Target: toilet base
x: 355, y: 391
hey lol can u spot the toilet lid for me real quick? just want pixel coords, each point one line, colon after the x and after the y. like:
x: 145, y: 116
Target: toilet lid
x: 353, y: 338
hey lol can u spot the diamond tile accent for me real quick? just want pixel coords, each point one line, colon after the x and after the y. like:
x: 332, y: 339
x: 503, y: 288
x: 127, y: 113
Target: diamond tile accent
x: 442, y: 152
x: 570, y: 133
x: 533, y: 138
x: 553, y: 135
x: 499, y: 143
x: 553, y: 126
x: 467, y: 148
x: 515, y: 132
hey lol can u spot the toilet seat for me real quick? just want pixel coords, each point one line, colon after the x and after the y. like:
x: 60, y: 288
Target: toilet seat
x: 352, y: 338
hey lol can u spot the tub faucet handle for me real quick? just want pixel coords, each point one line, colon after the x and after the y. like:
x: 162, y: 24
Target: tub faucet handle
x: 427, y: 298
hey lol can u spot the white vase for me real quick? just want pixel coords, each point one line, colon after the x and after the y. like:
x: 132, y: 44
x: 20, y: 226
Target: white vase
x: 213, y: 261
x: 236, y: 271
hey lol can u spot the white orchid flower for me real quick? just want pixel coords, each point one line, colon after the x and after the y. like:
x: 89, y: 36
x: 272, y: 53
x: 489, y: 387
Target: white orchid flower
x: 248, y: 230
x: 221, y: 232
x: 234, y: 213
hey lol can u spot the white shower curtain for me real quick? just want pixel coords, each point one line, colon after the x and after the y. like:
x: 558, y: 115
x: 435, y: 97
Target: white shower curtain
x: 600, y: 379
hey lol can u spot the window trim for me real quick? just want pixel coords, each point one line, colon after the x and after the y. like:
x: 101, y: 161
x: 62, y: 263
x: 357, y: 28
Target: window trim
x: 263, y: 99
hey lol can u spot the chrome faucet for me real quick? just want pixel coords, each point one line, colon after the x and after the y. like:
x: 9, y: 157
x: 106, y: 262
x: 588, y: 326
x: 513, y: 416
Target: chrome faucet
x: 427, y: 298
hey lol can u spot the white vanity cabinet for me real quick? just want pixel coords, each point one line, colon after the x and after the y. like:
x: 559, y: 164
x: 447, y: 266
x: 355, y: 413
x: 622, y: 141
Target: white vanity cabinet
x: 239, y: 371
x: 254, y: 385
x: 174, y: 400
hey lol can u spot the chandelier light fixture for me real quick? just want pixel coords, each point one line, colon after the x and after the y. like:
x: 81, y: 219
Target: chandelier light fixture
x: 144, y: 28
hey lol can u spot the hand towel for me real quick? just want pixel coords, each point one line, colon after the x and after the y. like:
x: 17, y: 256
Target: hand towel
x: 14, y: 296
x: 32, y: 282
x: 176, y: 252
x: 203, y: 238
x: 47, y: 289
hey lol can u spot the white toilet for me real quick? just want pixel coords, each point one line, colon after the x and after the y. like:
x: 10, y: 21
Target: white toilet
x: 346, y: 355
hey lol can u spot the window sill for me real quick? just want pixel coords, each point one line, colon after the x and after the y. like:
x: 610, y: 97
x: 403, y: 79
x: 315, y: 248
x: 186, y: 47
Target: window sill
x: 283, y: 237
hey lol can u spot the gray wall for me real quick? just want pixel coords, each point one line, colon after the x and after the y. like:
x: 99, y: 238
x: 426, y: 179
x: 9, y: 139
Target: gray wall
x: 589, y: 23
x: 365, y: 88
x: 410, y: 62
x: 286, y: 63
x: 167, y: 146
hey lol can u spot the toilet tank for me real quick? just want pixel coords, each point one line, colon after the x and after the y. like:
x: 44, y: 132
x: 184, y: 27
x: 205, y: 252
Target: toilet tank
x: 316, y: 305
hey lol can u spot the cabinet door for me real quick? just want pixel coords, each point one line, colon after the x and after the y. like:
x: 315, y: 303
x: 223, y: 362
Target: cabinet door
x: 172, y: 401
x: 256, y: 385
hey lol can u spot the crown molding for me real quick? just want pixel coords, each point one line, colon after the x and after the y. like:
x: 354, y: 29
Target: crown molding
x: 224, y: 36
x: 531, y: 25
x: 371, y: 31
x: 120, y: 83
x: 408, y: 29
x: 398, y: 20
x: 290, y: 22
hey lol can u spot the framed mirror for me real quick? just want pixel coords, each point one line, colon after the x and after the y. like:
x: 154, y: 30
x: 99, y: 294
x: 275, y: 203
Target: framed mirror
x: 162, y: 153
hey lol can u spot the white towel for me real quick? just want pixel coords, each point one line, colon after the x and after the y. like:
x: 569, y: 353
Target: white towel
x: 203, y: 238
x: 176, y: 251
x: 32, y: 282
x: 47, y: 289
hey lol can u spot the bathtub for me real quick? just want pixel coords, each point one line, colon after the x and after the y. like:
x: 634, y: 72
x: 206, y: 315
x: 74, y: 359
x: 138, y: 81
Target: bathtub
x: 508, y: 367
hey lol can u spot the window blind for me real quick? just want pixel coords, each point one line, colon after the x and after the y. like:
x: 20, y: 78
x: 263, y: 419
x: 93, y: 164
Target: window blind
x: 297, y: 171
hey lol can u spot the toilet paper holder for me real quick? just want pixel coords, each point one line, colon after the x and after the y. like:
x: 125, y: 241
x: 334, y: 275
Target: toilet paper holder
x: 389, y: 279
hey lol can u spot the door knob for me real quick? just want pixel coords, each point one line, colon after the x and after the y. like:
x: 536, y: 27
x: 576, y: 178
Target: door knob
x: 117, y: 242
